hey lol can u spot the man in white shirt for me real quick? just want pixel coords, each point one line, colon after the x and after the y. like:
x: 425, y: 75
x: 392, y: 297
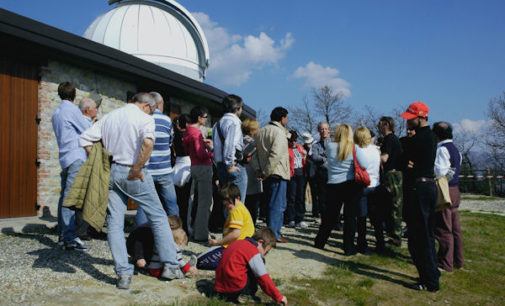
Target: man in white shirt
x: 128, y: 134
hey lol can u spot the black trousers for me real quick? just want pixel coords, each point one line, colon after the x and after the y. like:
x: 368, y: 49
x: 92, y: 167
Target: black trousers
x: 296, y: 199
x: 250, y: 288
x: 253, y: 202
x: 320, y: 181
x: 420, y: 210
x: 348, y: 194
x: 183, y: 194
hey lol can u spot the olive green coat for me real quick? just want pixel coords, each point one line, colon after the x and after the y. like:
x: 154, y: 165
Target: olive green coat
x: 90, y: 190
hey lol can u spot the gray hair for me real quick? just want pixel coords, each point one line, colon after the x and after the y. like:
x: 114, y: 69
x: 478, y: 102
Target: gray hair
x: 320, y: 124
x: 157, y: 97
x: 86, y: 103
x: 144, y: 97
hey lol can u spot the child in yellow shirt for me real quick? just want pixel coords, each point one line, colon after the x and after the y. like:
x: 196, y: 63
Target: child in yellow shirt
x: 237, y: 226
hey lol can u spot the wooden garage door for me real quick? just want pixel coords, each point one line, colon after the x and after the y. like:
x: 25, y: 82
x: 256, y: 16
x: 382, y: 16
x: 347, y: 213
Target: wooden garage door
x: 18, y: 138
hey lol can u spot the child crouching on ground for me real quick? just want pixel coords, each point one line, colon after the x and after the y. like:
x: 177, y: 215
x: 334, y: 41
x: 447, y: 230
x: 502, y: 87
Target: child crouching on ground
x: 155, y: 267
x: 242, y: 268
x: 237, y: 226
x: 140, y: 245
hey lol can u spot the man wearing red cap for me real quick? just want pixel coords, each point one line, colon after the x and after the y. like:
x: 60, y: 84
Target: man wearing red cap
x: 421, y: 197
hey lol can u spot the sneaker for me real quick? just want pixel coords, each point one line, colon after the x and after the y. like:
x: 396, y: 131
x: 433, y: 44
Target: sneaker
x: 421, y: 287
x: 61, y: 243
x: 172, y: 273
x: 124, y: 281
x: 193, y: 260
x: 302, y: 225
x: 291, y: 224
x: 76, y: 244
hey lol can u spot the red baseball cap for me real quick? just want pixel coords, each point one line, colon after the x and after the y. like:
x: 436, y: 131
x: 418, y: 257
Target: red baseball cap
x: 416, y: 109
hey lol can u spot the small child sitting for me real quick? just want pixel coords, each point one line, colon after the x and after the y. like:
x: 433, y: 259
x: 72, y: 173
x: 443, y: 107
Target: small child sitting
x: 155, y: 267
x: 140, y: 245
x: 237, y: 226
x: 242, y: 268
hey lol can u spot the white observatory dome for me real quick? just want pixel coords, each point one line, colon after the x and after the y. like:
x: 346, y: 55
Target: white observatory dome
x: 159, y: 31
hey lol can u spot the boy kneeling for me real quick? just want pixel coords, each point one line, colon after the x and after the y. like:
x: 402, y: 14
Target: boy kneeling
x: 242, y: 268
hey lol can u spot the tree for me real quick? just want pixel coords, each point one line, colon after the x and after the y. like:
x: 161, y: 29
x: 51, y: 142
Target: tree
x: 496, y: 112
x: 466, y: 140
x: 368, y: 118
x: 325, y: 104
x: 262, y: 117
x: 400, y: 123
x: 302, y: 118
x: 330, y: 105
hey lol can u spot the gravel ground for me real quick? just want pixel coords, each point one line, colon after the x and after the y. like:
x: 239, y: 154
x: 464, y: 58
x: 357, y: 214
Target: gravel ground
x: 34, y: 271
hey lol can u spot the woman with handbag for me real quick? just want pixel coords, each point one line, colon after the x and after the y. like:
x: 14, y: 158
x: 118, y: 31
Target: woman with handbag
x: 342, y: 189
x: 369, y: 154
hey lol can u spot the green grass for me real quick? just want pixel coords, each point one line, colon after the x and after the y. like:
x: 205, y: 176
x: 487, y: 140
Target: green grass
x: 372, y: 280
x: 480, y: 198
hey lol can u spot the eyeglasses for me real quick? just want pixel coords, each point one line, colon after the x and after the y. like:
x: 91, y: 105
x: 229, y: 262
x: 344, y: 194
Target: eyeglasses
x: 204, y: 116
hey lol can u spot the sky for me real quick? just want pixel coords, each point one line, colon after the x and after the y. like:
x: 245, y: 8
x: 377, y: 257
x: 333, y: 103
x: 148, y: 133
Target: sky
x: 449, y: 54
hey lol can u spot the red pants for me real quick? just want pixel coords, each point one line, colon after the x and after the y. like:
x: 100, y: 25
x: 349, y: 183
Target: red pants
x: 448, y: 234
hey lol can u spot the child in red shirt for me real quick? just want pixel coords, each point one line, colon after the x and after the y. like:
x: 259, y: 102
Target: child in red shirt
x: 242, y: 268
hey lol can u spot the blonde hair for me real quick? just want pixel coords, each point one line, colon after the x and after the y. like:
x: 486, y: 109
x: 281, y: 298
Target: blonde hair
x: 175, y: 222
x: 250, y: 126
x: 180, y: 236
x: 362, y: 137
x: 343, y: 136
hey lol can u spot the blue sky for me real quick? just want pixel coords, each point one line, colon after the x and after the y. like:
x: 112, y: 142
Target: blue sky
x: 448, y: 53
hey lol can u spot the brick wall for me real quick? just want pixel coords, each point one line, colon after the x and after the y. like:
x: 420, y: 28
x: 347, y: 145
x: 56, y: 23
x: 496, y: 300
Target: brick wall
x: 89, y: 84
x: 111, y: 90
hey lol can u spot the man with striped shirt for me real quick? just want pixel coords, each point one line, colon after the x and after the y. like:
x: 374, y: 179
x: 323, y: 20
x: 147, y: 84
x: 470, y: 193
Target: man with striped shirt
x: 160, y: 166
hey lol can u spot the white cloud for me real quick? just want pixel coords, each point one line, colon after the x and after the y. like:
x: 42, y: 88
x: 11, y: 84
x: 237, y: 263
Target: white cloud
x: 316, y: 76
x: 470, y: 126
x: 233, y: 57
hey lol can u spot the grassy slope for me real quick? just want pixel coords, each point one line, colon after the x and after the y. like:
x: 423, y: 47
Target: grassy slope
x: 371, y: 280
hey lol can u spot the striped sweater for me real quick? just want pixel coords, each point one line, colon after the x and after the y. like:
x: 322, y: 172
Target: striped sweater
x: 160, y: 163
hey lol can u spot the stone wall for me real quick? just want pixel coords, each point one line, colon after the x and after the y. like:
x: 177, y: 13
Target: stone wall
x: 112, y: 91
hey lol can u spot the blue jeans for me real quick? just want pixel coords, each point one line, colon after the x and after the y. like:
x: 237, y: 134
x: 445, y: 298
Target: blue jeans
x: 238, y: 178
x: 275, y: 195
x: 66, y: 215
x: 165, y: 187
x: 144, y: 194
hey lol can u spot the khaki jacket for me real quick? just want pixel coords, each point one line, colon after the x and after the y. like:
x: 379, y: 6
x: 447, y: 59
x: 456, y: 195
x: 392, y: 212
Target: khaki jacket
x: 90, y: 190
x: 272, y: 156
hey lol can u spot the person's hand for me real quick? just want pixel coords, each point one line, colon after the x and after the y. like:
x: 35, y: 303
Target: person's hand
x: 208, y: 143
x: 213, y: 242
x: 193, y: 271
x: 284, y: 301
x: 135, y: 175
x: 233, y: 169
x: 410, y: 164
x: 141, y: 263
x: 259, y: 175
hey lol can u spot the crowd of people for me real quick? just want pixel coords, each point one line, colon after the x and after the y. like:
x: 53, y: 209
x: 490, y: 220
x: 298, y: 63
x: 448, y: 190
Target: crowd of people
x: 188, y: 181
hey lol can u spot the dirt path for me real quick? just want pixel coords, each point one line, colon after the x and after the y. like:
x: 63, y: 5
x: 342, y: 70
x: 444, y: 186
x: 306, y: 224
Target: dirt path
x: 35, y: 271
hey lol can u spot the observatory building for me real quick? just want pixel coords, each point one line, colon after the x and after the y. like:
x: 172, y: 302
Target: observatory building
x: 161, y: 32
x: 150, y: 45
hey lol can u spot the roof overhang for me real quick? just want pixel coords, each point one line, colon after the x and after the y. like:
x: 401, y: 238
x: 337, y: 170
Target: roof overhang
x: 76, y: 46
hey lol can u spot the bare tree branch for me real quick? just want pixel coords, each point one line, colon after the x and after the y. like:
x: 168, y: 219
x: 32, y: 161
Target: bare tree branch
x: 330, y: 105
